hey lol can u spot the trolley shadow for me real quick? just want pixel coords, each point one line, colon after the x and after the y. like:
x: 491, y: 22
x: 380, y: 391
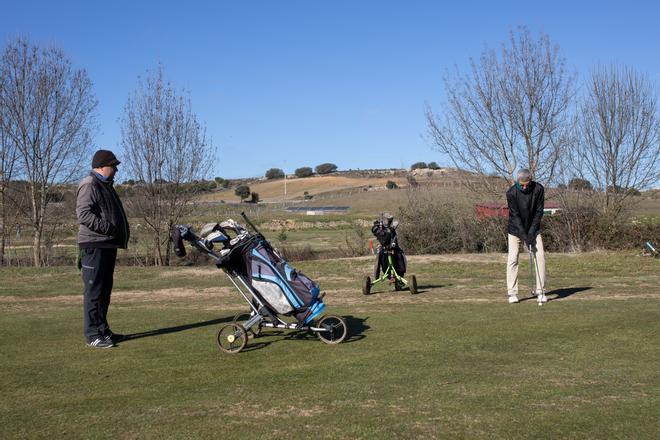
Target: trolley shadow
x: 424, y: 288
x: 356, y: 329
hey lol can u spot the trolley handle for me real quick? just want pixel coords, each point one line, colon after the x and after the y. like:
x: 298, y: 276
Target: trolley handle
x: 249, y: 223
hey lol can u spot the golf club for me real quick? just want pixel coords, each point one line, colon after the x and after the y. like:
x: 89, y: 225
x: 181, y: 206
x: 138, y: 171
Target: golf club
x: 532, y: 279
x: 533, y: 263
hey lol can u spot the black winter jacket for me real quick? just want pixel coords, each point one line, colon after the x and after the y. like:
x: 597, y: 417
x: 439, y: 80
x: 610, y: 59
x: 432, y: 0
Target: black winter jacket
x: 525, y: 210
x: 101, y: 215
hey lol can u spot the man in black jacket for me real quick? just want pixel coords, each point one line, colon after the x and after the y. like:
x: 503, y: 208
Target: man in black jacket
x: 103, y: 229
x: 526, y: 201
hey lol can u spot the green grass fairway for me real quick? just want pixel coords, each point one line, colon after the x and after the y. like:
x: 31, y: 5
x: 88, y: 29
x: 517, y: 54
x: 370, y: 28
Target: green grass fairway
x: 454, y: 361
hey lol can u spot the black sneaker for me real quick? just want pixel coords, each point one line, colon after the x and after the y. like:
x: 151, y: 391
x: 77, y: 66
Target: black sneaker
x: 115, y: 337
x: 101, y: 343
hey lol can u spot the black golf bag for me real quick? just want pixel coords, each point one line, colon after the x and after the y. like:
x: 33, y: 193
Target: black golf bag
x: 385, y: 233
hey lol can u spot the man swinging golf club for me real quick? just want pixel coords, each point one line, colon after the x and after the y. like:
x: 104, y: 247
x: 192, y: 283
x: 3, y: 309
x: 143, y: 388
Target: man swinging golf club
x: 525, y: 200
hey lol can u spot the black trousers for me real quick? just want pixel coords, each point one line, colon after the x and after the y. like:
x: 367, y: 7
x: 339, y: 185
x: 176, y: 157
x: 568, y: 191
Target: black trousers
x: 98, y: 267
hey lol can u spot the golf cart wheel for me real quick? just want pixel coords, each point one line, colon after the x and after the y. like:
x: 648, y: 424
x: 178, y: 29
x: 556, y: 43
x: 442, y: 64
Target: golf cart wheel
x: 398, y: 286
x: 232, y: 338
x: 366, y: 285
x: 412, y: 284
x: 242, y: 317
x: 335, y: 329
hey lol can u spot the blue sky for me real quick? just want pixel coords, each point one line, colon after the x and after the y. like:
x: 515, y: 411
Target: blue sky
x: 296, y: 83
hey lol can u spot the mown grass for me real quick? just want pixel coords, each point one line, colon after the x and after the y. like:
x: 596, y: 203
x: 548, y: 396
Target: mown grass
x: 455, y: 361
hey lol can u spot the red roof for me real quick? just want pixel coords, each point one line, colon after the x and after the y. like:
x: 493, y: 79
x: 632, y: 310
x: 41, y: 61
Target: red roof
x: 505, y: 206
x: 499, y: 209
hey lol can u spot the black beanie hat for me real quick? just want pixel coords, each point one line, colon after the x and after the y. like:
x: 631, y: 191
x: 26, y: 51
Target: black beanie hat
x: 104, y: 158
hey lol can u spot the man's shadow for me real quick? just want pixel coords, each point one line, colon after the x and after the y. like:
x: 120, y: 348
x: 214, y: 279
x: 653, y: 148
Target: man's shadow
x: 178, y: 328
x: 559, y: 293
x: 566, y: 292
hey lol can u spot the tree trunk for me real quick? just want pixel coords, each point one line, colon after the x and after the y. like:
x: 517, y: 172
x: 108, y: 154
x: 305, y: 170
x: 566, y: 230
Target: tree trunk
x: 158, y: 257
x: 2, y: 245
x: 36, y: 249
x: 39, y: 215
x: 3, y: 229
x: 168, y: 248
x: 168, y: 255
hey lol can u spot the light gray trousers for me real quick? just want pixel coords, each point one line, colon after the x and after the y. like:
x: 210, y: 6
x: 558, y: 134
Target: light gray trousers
x: 512, y: 265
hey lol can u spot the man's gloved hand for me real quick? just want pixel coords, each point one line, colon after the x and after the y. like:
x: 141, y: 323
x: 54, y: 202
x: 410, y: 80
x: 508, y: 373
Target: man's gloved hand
x: 530, y: 241
x: 523, y: 238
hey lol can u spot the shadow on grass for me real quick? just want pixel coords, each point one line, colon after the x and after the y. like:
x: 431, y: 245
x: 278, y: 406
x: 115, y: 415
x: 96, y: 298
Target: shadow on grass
x: 423, y: 288
x: 356, y: 328
x: 252, y: 345
x: 426, y: 287
x: 563, y: 293
x: 178, y: 328
x: 560, y: 293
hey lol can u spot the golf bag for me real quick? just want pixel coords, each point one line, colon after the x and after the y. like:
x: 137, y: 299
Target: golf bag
x: 385, y: 232
x: 282, y: 289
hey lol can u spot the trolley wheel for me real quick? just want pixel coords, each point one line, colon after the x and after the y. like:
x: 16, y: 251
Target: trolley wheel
x: 335, y: 329
x: 232, y: 338
x: 398, y: 286
x: 366, y: 285
x: 242, y: 317
x: 412, y: 284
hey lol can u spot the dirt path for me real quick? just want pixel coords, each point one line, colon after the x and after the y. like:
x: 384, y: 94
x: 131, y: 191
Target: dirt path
x: 219, y: 297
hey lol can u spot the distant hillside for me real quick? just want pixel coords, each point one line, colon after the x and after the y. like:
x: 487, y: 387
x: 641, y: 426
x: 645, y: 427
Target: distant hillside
x: 338, y: 183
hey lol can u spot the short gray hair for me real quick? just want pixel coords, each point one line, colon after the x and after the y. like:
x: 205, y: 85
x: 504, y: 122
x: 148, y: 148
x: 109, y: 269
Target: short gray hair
x: 524, y: 175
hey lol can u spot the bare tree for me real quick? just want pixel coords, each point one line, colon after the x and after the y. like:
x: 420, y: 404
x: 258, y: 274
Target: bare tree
x: 510, y: 112
x: 166, y: 150
x: 7, y: 167
x: 619, y: 135
x: 48, y: 115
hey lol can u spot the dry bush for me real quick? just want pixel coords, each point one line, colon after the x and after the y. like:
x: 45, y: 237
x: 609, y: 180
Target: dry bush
x: 355, y: 243
x: 623, y: 235
x: 297, y: 253
x: 571, y: 230
x: 430, y: 225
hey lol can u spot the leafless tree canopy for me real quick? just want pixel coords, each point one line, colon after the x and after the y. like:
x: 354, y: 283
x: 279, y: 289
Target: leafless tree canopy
x: 48, y: 117
x: 619, y: 135
x: 7, y: 170
x: 510, y: 112
x: 166, y: 148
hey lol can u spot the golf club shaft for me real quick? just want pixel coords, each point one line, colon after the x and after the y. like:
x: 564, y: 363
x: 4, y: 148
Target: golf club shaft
x: 537, y: 279
x: 531, y: 269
